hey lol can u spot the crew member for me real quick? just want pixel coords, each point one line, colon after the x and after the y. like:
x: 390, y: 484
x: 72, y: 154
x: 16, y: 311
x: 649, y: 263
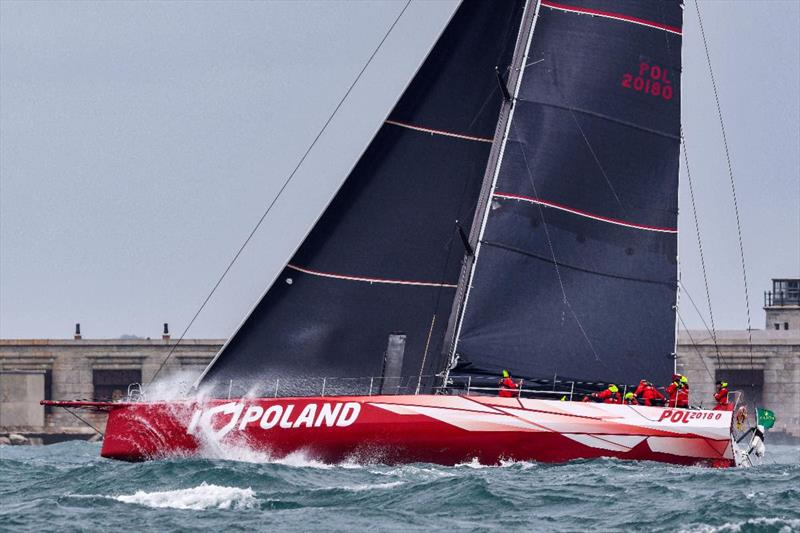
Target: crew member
x: 507, y: 386
x: 721, y: 396
x: 678, y: 392
x: 648, y: 394
x: 630, y: 399
x: 610, y: 395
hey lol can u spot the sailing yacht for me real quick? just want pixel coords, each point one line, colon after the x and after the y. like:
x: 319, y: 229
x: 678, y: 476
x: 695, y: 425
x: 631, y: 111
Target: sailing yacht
x: 517, y: 210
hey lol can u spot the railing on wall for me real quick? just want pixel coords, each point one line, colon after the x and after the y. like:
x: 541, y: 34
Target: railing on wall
x: 781, y: 298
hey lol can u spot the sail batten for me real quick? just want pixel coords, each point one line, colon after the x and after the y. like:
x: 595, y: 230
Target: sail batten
x: 433, y: 131
x: 578, y: 212
x: 364, y: 279
x: 612, y: 15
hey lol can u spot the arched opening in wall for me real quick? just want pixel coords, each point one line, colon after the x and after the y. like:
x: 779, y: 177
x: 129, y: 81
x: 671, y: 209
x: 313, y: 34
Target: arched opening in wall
x: 749, y: 381
x: 112, y: 384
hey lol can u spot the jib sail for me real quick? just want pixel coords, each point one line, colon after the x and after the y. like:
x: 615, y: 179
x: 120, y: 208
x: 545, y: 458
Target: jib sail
x: 575, y: 272
x: 385, y: 256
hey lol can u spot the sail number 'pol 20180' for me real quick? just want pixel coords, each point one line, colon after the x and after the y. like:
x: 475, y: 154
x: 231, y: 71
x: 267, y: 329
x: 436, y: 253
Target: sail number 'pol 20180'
x: 684, y: 415
x: 240, y: 416
x: 652, y: 80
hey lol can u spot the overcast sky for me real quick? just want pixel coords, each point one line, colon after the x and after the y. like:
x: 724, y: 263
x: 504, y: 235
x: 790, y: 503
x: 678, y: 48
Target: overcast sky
x: 140, y: 142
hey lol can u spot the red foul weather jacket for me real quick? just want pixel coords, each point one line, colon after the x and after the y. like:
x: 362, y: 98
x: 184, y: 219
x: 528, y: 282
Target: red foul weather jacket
x: 507, y: 387
x: 650, y: 396
x: 607, y: 396
x: 723, y: 403
x: 678, y: 396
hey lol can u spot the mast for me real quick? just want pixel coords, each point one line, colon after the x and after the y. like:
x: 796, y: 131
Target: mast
x: 516, y: 71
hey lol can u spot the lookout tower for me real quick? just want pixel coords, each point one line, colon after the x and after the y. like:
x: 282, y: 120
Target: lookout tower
x: 782, y: 305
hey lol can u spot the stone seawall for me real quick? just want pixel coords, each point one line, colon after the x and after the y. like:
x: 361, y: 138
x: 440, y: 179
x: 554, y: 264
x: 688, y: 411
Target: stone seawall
x: 768, y: 372
x: 72, y: 369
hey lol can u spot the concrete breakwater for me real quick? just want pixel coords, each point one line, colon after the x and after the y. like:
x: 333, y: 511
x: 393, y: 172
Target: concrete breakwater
x: 32, y: 370
x: 763, y: 364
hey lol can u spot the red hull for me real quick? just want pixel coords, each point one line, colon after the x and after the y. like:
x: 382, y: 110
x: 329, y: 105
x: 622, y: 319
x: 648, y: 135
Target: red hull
x: 437, y: 429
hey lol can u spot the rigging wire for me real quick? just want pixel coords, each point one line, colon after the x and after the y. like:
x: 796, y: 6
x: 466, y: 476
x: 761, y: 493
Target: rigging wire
x: 283, y: 187
x: 720, y: 357
x: 594, y: 154
x: 571, y: 109
x: 76, y: 415
x: 733, y: 185
x: 437, y: 300
x: 509, y: 26
x: 677, y: 236
x: 448, y: 247
x: 700, y: 247
x: 694, y: 345
x: 555, y: 261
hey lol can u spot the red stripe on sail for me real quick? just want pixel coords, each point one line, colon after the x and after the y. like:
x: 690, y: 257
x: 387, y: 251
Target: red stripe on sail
x: 578, y: 212
x: 614, y: 16
x: 369, y: 280
x: 439, y: 132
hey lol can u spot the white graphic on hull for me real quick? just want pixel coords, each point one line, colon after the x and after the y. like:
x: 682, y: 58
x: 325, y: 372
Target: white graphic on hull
x: 287, y: 416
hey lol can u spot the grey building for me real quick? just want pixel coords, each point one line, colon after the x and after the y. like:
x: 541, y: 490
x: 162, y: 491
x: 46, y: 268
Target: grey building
x: 78, y: 368
x: 764, y: 364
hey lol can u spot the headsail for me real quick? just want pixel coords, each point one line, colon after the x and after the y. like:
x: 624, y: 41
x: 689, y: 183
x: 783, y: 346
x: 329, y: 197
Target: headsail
x: 576, y: 264
x: 385, y: 255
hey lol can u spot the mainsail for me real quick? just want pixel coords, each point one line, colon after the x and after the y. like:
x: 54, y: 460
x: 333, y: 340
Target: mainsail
x: 575, y: 272
x: 385, y: 256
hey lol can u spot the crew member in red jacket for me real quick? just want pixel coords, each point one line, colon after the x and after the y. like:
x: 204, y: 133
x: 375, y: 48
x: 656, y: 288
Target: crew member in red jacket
x: 648, y: 394
x: 507, y: 386
x: 678, y: 392
x: 610, y: 395
x: 723, y: 404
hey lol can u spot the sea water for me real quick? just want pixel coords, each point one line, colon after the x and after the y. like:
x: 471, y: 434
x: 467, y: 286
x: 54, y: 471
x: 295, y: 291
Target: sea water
x: 68, y: 487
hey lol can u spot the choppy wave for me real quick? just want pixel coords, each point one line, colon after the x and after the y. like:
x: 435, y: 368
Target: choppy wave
x: 198, y: 498
x: 761, y: 523
x: 68, y: 487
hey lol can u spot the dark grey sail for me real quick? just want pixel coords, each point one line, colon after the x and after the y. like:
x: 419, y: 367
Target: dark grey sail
x: 385, y: 256
x: 576, y: 264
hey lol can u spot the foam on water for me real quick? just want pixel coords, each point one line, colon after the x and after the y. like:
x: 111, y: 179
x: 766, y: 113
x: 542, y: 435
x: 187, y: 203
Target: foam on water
x: 198, y: 498
x: 366, y: 486
x: 244, y: 453
x: 762, y: 523
x: 474, y: 464
x: 414, y: 472
x: 240, y: 449
x: 67, y: 487
x: 176, y: 386
x: 300, y: 459
x: 477, y: 465
x: 522, y: 465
